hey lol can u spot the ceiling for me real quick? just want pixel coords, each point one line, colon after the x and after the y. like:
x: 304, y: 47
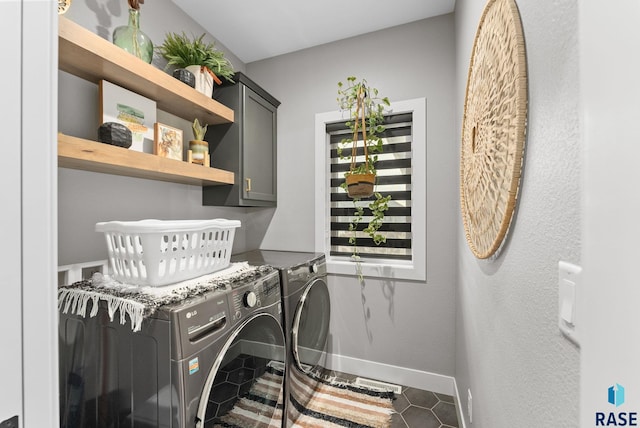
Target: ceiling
x: 259, y: 29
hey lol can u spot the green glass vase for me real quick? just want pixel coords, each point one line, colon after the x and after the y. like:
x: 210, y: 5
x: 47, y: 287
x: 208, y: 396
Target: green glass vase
x: 132, y: 39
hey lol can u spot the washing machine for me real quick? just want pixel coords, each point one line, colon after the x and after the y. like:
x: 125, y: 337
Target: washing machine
x: 307, y: 312
x: 211, y: 360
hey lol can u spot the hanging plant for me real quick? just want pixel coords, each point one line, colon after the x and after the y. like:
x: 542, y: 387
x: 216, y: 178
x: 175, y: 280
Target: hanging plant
x: 366, y: 121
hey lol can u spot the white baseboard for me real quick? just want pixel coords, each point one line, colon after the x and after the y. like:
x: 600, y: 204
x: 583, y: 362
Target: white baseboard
x: 393, y: 374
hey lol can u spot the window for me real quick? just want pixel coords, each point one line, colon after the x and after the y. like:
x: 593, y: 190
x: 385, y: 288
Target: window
x: 401, y: 173
x: 393, y: 178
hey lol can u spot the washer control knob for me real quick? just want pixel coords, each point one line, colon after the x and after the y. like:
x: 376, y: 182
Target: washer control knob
x: 314, y: 268
x: 250, y: 299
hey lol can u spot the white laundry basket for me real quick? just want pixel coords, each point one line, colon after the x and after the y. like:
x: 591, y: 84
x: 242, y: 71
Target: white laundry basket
x: 156, y: 252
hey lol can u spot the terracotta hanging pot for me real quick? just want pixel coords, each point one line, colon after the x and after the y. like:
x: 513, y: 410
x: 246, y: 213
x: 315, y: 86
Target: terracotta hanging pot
x: 360, y: 185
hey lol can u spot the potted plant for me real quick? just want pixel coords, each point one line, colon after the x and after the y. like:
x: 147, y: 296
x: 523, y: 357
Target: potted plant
x: 366, y: 121
x: 207, y: 63
x: 198, y: 148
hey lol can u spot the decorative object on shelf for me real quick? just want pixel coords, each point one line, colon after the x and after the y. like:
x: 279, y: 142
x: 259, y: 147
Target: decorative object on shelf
x: 168, y: 141
x: 130, y: 109
x: 198, y: 148
x: 366, y: 120
x: 185, y: 76
x: 493, y: 128
x: 207, y: 63
x: 116, y: 134
x: 63, y: 6
x: 130, y: 38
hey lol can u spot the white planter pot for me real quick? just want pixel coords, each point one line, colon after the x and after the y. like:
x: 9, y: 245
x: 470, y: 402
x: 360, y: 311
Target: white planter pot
x: 204, y: 80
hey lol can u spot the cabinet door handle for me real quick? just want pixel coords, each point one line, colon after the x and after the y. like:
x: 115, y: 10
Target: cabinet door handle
x: 248, y: 189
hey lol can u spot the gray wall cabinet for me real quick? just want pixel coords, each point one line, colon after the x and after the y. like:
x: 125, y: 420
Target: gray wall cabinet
x: 247, y: 147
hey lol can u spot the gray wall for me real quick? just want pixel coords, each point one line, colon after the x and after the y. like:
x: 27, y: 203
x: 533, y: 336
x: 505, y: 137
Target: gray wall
x: 400, y: 323
x: 86, y: 197
x: 417, y: 60
x: 509, y: 351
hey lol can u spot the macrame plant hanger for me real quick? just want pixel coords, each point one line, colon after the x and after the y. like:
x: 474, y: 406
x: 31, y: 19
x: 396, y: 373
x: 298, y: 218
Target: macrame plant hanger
x: 360, y: 185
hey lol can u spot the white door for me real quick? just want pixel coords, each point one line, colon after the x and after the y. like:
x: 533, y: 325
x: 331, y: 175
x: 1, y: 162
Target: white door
x: 610, y: 90
x: 28, y: 215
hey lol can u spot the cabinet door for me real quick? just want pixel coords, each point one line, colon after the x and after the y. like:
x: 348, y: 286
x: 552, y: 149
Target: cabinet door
x: 259, y: 148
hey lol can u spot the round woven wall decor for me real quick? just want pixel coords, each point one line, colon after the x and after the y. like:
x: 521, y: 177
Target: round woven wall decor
x: 493, y: 128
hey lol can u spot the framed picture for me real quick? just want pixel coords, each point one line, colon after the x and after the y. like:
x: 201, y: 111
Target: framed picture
x: 168, y: 141
x: 134, y: 111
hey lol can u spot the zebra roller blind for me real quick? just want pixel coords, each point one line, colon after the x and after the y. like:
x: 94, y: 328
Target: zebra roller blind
x: 393, y: 178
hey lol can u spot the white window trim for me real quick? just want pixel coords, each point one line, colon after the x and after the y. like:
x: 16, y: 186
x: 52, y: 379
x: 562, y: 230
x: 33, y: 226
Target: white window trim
x: 396, y: 269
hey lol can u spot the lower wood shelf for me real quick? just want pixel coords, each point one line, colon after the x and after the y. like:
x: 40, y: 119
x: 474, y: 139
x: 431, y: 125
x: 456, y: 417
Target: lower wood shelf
x: 78, y: 153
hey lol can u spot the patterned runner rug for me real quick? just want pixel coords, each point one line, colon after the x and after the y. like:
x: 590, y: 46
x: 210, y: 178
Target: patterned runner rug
x: 327, y: 405
x: 261, y: 407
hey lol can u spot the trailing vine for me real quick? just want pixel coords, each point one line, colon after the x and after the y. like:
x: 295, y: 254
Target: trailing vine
x: 366, y: 116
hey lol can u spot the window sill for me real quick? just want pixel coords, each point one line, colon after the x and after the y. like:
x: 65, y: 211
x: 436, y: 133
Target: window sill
x: 386, y: 269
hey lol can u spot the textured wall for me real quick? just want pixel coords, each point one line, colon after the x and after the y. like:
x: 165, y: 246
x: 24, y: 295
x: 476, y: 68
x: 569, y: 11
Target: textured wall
x: 406, y: 324
x: 509, y: 351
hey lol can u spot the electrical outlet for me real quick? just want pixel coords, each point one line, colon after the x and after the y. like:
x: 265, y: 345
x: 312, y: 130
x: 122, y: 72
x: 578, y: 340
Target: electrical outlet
x: 69, y: 274
x: 470, y: 405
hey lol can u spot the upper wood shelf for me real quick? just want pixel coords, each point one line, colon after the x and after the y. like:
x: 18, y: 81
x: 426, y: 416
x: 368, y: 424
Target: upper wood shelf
x: 89, y: 56
x: 78, y: 153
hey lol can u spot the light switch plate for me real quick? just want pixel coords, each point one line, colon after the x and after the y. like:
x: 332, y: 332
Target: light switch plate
x: 568, y: 289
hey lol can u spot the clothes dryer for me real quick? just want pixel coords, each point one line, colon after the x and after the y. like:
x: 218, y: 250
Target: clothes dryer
x: 307, y: 312
x: 192, y: 364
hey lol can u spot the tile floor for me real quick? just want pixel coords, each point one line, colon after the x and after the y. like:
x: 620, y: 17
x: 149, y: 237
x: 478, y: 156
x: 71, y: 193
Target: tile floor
x: 416, y: 408
x: 232, y: 382
x: 425, y: 409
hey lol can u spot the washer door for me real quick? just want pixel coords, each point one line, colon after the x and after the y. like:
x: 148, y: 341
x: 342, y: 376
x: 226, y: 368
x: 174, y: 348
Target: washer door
x: 311, y: 327
x: 245, y: 385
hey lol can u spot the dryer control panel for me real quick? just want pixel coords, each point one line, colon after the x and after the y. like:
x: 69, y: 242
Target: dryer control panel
x: 261, y: 293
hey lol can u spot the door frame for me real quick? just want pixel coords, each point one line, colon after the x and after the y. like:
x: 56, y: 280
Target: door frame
x: 10, y: 217
x: 39, y: 220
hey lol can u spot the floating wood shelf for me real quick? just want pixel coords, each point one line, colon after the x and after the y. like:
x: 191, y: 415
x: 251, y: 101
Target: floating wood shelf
x: 90, y: 57
x: 78, y: 153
